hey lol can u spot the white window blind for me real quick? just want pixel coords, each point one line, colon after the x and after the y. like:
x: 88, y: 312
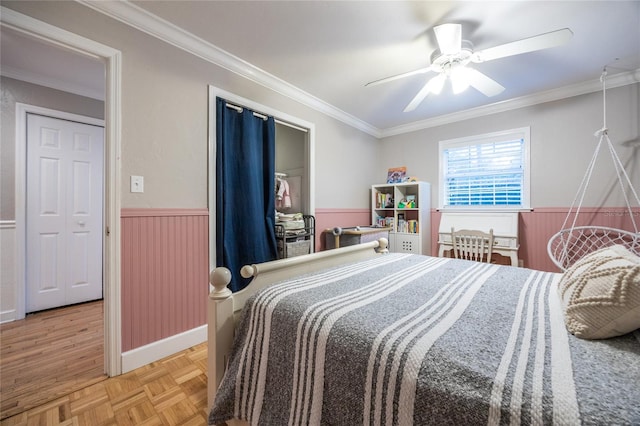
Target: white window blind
x: 485, y: 171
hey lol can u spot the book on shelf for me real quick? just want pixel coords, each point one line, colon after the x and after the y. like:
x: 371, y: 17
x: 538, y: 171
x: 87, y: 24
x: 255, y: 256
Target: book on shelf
x: 384, y: 200
x: 389, y: 221
x: 384, y: 222
x: 408, y: 226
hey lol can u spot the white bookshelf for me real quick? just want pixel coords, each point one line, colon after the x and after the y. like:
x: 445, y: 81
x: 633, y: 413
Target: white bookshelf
x: 410, y: 226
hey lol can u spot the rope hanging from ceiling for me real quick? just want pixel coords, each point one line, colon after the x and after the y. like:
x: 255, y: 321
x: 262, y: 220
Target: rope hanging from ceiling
x: 569, y: 245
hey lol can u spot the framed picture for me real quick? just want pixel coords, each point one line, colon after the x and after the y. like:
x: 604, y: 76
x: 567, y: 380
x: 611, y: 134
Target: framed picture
x: 396, y: 174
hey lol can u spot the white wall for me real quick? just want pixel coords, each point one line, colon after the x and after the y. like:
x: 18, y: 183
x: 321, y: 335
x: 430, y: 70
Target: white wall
x: 562, y: 143
x: 290, y: 155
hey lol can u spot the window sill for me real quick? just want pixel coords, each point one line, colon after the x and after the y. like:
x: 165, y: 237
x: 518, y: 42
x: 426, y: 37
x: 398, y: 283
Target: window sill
x: 479, y: 209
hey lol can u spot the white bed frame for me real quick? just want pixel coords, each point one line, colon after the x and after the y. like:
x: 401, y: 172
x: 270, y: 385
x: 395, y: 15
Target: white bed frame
x: 224, y: 306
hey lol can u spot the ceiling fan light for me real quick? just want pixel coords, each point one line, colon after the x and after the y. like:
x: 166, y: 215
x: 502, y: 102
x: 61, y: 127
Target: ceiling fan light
x: 459, y: 85
x: 436, y: 84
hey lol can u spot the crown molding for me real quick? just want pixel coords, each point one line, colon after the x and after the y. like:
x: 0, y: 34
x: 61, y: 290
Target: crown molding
x: 617, y: 80
x: 155, y: 26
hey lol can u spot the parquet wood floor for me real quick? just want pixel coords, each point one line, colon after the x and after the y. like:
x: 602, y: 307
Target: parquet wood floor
x: 50, y: 354
x: 172, y: 391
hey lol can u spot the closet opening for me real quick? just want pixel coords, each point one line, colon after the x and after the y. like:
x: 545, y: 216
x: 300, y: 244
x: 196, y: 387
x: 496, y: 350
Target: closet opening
x: 295, y: 224
x: 294, y: 159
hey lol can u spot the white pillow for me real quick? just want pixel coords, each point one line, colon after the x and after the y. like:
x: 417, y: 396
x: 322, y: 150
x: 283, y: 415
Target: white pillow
x: 601, y: 294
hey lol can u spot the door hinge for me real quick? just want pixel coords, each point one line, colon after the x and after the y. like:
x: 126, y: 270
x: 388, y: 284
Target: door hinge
x: 107, y: 231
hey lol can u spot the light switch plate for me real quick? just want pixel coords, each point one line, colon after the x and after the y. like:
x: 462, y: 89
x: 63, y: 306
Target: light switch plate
x: 137, y: 184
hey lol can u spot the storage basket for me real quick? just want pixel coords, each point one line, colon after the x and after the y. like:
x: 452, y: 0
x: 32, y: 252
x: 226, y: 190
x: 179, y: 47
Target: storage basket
x: 298, y: 248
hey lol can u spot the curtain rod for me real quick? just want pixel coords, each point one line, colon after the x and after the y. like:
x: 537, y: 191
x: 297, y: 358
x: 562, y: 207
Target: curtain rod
x: 264, y: 117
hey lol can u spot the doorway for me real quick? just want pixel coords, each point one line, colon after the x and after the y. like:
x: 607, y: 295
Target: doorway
x: 111, y: 60
x: 291, y: 154
x: 64, y: 211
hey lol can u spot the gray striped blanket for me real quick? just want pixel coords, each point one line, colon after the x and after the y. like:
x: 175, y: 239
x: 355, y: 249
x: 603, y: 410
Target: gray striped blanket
x: 408, y: 339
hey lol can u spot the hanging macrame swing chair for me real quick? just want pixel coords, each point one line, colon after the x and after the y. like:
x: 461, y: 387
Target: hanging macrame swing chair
x: 571, y: 244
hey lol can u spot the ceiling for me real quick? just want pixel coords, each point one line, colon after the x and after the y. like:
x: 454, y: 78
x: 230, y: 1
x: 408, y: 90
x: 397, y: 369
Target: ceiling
x: 329, y: 50
x: 50, y: 66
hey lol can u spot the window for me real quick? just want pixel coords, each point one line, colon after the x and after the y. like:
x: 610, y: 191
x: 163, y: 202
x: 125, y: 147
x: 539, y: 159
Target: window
x: 489, y: 171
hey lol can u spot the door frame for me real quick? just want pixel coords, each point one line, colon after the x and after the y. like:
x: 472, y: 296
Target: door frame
x: 22, y: 112
x: 310, y: 150
x: 112, y: 59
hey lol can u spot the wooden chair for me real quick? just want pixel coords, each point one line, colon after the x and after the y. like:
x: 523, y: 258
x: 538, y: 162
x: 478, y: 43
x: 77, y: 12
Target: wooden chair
x: 472, y: 245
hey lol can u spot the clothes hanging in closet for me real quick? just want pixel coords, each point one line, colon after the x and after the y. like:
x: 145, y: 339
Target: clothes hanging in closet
x: 283, y: 197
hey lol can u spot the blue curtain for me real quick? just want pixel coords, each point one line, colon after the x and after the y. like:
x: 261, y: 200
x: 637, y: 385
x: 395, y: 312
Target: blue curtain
x: 245, y: 196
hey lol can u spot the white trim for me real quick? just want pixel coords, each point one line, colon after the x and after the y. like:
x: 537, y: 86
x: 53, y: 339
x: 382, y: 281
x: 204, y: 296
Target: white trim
x: 112, y: 60
x: 151, y: 24
x: 8, y: 316
x: 34, y: 109
x: 310, y: 150
x: 7, y: 266
x: 155, y: 26
x: 481, y: 209
x: 159, y: 349
x: 22, y: 110
x: 617, y: 80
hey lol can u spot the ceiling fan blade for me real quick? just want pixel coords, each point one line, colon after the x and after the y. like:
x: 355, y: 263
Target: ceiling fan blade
x: 449, y: 38
x: 539, y: 42
x: 482, y: 83
x: 399, y: 76
x: 434, y: 85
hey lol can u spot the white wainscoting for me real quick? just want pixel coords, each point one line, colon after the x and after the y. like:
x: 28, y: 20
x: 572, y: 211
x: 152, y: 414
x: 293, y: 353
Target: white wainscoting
x: 8, y: 281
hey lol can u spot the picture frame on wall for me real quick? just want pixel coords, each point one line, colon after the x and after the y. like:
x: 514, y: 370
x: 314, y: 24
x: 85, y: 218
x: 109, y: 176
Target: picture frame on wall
x: 396, y: 174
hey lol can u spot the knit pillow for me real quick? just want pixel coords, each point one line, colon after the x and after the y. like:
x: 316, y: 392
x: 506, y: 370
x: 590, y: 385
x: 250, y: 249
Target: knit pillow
x: 601, y: 294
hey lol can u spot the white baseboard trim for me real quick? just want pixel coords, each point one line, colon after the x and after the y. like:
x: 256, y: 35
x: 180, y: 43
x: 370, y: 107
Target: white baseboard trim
x: 7, y: 316
x: 162, y: 348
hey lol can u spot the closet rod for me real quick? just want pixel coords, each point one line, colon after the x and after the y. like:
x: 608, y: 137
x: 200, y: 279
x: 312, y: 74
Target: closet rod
x: 264, y: 117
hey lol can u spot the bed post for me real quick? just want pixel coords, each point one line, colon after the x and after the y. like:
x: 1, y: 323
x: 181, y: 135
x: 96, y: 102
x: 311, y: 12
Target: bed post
x: 220, y: 329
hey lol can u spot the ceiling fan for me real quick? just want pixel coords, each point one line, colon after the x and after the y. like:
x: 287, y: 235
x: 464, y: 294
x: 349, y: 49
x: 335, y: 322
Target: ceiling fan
x: 453, y: 55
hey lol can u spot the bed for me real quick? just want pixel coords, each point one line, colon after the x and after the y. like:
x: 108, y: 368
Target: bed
x: 353, y: 336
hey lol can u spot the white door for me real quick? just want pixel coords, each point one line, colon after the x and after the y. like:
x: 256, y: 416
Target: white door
x: 64, y: 212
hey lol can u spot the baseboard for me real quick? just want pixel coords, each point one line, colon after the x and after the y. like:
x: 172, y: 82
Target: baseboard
x: 9, y: 268
x: 162, y: 348
x: 7, y: 316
